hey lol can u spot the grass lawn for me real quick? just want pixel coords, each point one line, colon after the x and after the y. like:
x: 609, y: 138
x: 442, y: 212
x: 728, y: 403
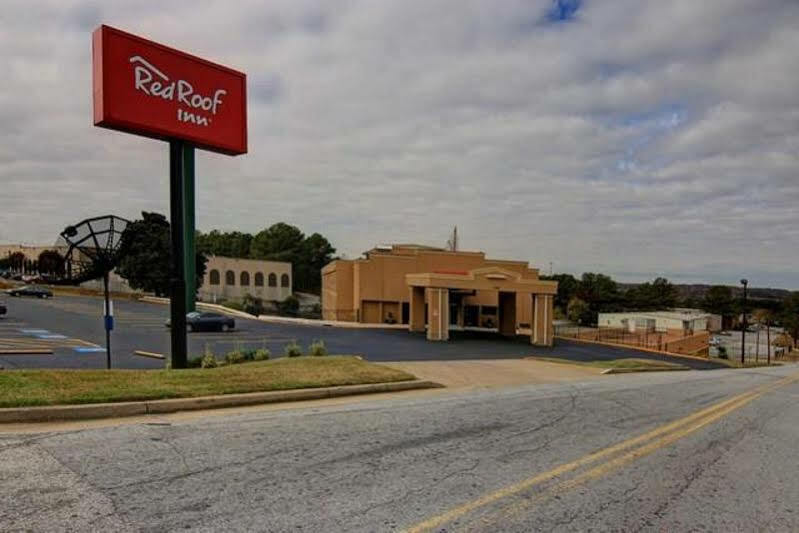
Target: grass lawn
x: 19, y: 388
x: 628, y: 362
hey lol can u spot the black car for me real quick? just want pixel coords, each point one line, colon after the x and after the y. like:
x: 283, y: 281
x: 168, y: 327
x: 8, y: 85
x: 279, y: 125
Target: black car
x: 30, y: 290
x: 197, y: 321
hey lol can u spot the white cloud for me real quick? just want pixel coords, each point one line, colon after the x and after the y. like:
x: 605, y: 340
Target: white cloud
x: 639, y: 138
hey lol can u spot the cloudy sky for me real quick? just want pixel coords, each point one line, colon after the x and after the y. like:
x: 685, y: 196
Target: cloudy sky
x: 620, y: 136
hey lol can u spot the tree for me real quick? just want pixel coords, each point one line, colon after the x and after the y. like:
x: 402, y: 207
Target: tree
x: 146, y: 255
x: 227, y: 244
x: 578, y: 311
x: 659, y: 294
x: 600, y: 293
x: 16, y: 261
x: 567, y: 287
x: 790, y: 316
x: 51, y: 262
x: 315, y: 253
x: 718, y: 300
x: 284, y: 242
x: 278, y: 242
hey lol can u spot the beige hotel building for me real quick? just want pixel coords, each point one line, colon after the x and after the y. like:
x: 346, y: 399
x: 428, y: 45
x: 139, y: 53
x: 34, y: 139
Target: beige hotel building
x: 432, y: 290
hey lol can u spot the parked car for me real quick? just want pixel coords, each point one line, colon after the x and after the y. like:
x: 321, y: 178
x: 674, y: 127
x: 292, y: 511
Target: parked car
x: 197, y: 321
x: 30, y: 290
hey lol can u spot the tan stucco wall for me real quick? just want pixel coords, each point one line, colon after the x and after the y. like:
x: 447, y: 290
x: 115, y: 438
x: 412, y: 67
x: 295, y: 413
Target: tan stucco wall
x: 210, y: 293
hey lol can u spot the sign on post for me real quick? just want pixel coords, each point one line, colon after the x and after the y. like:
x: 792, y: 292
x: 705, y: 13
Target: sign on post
x: 145, y: 88
x: 149, y: 89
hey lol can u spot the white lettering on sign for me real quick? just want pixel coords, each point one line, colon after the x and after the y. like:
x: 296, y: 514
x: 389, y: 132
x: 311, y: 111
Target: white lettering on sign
x: 152, y: 82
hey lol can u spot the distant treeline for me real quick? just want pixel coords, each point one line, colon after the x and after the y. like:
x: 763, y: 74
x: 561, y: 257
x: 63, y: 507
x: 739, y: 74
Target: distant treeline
x: 584, y: 298
x: 279, y: 242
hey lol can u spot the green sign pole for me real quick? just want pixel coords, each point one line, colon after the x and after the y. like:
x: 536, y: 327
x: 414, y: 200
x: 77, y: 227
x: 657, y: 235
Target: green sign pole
x: 177, y: 301
x: 189, y: 262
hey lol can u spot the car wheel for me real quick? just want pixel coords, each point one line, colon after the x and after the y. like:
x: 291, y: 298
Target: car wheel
x: 225, y: 328
x: 189, y: 328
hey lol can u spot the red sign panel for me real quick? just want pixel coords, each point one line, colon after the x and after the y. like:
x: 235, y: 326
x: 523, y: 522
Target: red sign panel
x: 148, y: 89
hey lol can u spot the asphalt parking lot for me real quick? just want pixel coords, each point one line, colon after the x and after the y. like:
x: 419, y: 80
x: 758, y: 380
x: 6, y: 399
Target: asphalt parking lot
x: 72, y: 328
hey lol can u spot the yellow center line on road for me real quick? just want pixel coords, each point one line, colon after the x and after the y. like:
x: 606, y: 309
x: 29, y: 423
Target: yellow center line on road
x: 668, y: 434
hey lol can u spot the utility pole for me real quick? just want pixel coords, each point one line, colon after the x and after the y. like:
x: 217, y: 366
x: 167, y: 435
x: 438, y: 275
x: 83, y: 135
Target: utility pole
x: 768, y: 339
x: 452, y: 243
x: 744, y: 282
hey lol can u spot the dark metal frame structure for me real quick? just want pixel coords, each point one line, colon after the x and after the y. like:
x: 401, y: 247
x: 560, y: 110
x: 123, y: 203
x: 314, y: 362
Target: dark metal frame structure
x: 92, y: 251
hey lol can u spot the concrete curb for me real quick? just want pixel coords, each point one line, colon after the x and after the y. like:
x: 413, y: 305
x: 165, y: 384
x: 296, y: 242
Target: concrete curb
x: 643, y: 369
x: 114, y: 410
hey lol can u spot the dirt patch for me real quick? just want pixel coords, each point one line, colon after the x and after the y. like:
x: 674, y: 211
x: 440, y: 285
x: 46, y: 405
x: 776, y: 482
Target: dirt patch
x: 496, y: 372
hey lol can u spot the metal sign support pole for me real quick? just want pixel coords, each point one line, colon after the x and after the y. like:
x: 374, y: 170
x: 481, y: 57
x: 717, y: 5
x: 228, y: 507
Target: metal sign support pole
x: 107, y: 322
x: 189, y: 259
x: 177, y: 307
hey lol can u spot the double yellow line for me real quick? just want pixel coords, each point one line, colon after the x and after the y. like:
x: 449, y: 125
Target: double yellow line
x: 616, y: 456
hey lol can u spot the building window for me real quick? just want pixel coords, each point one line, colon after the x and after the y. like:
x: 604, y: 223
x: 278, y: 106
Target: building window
x: 259, y: 279
x: 284, y: 280
x: 213, y: 277
x: 244, y: 279
x: 230, y: 278
x: 273, y: 280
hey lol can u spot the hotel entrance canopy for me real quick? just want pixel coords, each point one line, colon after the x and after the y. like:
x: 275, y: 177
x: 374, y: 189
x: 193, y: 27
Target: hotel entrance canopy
x: 516, y: 294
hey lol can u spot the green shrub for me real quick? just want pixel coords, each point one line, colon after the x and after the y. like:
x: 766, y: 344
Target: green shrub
x: 292, y: 349
x: 262, y: 354
x: 289, y: 307
x: 317, y: 348
x: 236, y: 306
x: 234, y: 357
x: 209, y: 361
x: 253, y: 305
x: 722, y: 351
x: 195, y: 362
x: 248, y: 354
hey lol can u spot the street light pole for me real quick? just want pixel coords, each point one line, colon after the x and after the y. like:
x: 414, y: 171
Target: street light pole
x: 744, y: 282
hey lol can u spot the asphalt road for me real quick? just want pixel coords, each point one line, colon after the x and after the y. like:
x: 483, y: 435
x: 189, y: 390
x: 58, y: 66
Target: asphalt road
x: 72, y: 326
x: 599, y: 455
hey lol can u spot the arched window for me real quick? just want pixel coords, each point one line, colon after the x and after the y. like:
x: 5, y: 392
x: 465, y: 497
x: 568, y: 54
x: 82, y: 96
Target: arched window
x: 244, y: 279
x: 213, y: 277
x: 284, y: 280
x: 273, y: 280
x: 230, y: 278
x: 259, y: 279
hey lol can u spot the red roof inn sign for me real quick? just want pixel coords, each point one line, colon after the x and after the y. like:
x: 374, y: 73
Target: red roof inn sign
x: 148, y: 89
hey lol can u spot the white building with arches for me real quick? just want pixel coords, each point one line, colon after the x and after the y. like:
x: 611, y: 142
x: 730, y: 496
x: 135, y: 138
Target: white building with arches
x: 231, y: 278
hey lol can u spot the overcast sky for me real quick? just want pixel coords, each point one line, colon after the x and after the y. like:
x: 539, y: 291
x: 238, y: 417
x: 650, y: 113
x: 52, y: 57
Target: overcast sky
x: 619, y: 136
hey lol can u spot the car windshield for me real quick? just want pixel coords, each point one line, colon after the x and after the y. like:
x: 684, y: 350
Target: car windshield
x: 193, y: 314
